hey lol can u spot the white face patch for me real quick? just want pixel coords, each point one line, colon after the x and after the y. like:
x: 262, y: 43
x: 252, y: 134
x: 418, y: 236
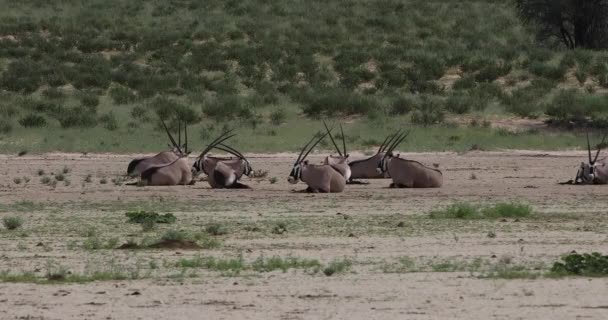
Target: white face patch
x: 347, y: 174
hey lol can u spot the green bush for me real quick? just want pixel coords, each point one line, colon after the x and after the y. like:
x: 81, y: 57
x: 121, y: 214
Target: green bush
x: 571, y: 106
x: 5, y: 126
x: 331, y: 102
x: 77, y: 117
x: 12, y: 222
x: 466, y: 82
x: 401, y: 105
x: 32, y: 121
x: 278, y: 116
x: 109, y: 121
x: 588, y: 265
x: 429, y: 112
x: 89, y: 100
x: 143, y: 216
x: 122, y: 95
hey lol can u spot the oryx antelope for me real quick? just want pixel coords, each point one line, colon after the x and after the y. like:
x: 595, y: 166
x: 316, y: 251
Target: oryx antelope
x: 173, y: 173
x: 139, y: 165
x: 319, y: 178
x: 339, y: 162
x: 592, y: 172
x: 222, y: 172
x: 408, y: 173
x: 367, y: 168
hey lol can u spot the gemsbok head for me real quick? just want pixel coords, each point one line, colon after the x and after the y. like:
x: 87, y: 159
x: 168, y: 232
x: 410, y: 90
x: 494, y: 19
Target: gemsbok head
x: 593, y: 172
x: 319, y: 178
x: 366, y: 168
x: 408, y: 173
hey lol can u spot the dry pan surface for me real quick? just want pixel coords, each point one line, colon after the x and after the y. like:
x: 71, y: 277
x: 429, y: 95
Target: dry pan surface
x: 374, y: 228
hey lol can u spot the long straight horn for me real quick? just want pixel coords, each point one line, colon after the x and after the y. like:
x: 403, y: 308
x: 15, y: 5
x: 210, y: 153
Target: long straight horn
x: 332, y: 138
x: 398, y: 141
x: 170, y: 136
x: 394, y: 142
x: 179, y: 133
x: 343, y: 140
x: 599, y: 148
x: 589, y: 147
x: 304, y: 148
x: 383, y: 143
x: 387, y: 146
x: 186, y: 136
x: 313, y: 146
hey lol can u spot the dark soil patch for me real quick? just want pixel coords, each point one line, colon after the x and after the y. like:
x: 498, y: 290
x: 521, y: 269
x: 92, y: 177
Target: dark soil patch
x: 175, y: 244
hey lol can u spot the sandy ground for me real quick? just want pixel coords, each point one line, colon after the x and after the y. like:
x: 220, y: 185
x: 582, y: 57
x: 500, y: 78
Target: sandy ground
x: 372, y: 226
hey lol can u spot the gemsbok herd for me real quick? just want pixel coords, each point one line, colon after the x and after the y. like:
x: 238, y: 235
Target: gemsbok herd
x: 331, y: 176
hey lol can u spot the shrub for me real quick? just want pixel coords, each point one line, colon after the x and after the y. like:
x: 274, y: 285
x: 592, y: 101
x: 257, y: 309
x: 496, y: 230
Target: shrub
x: 143, y: 216
x: 227, y: 107
x: 77, y: 117
x: 278, y: 116
x: 122, y: 95
x: 331, y: 102
x: 401, y: 105
x: 547, y: 71
x: 431, y: 111
x: 337, y: 266
x: 589, y: 265
x: 5, y: 126
x: 492, y: 72
x: 570, y: 106
x: 216, y: 229
x: 466, y: 82
x: 457, y: 211
x: 109, y: 121
x: 166, y: 108
x: 32, y: 121
x: 53, y: 93
x: 89, y: 100
x: 12, y: 222
x: 140, y: 113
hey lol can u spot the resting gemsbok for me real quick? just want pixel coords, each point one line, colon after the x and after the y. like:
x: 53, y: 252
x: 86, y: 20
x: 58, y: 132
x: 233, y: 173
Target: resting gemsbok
x: 222, y: 172
x: 173, y: 173
x: 592, y: 172
x: 367, y: 168
x: 339, y: 162
x: 139, y: 165
x: 319, y: 178
x: 408, y: 173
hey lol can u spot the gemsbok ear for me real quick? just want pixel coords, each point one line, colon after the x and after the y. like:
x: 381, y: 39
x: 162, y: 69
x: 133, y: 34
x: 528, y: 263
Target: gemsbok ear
x: 305, y: 162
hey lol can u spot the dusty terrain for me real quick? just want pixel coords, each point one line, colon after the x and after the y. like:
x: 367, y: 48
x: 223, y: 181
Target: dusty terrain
x: 403, y: 265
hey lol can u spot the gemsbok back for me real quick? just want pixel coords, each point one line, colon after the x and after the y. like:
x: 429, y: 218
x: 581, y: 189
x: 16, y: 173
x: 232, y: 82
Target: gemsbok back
x: 408, y: 173
x: 319, y: 178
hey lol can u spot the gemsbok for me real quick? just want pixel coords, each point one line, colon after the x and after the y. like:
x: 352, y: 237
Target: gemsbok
x: 319, y: 178
x: 176, y: 172
x: 139, y: 165
x: 593, y: 172
x: 408, y: 173
x: 367, y: 168
x: 222, y: 172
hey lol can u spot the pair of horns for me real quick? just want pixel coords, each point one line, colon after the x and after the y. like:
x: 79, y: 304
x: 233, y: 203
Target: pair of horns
x: 388, y: 141
x: 223, y: 137
x: 600, y: 146
x: 394, y: 141
x: 341, y: 153
x: 179, y: 129
x: 300, y: 157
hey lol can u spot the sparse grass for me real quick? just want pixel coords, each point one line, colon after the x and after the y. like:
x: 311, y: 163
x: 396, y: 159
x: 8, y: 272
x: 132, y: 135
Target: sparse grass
x: 17, y: 180
x: 279, y: 228
x: 142, y: 216
x: 88, y: 178
x: 273, y: 180
x: 505, y: 271
x: 12, y: 222
x: 45, y: 180
x: 277, y: 263
x: 469, y: 211
x: 94, y: 242
x: 103, y: 181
